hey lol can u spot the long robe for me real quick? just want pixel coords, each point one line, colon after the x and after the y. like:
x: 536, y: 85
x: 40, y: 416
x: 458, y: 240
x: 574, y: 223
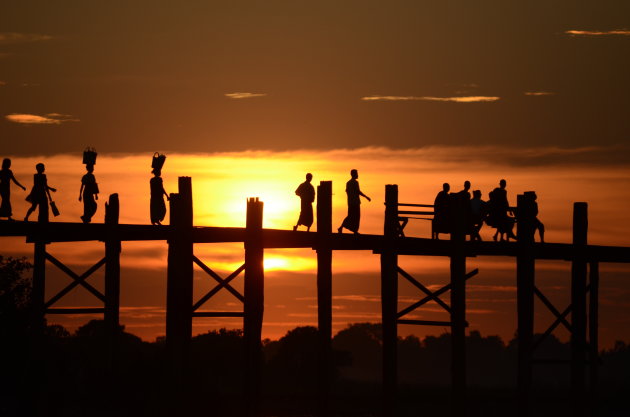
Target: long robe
x: 306, y: 192
x: 158, y: 207
x: 89, y: 191
x: 353, y: 219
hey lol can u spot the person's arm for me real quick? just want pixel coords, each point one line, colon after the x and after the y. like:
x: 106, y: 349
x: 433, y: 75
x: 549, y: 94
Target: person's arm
x: 17, y: 183
x: 166, y: 194
x: 81, y: 190
x: 363, y: 195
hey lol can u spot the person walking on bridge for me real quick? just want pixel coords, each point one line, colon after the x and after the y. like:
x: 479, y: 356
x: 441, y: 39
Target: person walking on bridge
x: 353, y: 219
x: 6, y: 176
x: 306, y: 192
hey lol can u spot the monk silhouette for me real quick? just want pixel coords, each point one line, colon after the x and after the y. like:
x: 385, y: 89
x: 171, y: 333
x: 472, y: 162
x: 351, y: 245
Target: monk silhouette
x: 441, y: 207
x: 353, y: 219
x: 498, y: 213
x: 306, y: 192
x: 158, y: 207
x: 6, y: 176
x: 88, y: 193
x: 478, y: 214
x: 39, y: 195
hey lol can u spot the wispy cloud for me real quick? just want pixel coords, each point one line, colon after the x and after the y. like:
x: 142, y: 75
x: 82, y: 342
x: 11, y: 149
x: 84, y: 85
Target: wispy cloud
x: 462, y: 99
x: 244, y: 95
x: 16, y: 37
x: 2, y: 83
x: 47, y: 119
x: 539, y: 93
x: 616, y: 32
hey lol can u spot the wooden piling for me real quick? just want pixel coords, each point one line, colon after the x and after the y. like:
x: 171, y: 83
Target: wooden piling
x: 578, y: 301
x: 593, y: 328
x: 112, y: 276
x: 458, y: 303
x: 389, y: 300
x: 39, y: 286
x: 179, y: 282
x: 525, y: 276
x: 253, y: 306
x: 324, y: 296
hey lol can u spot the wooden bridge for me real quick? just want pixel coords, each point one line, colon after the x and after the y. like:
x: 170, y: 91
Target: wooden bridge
x: 181, y: 308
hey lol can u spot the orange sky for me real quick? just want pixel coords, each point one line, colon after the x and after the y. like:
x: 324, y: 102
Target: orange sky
x: 223, y: 181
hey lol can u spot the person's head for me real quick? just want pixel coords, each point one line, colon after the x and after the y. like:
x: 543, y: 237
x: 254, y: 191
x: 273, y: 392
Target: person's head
x: 309, y: 177
x: 466, y: 185
x: 502, y: 183
x: 89, y: 168
x: 157, y: 172
x: 6, y: 163
x: 477, y: 194
x: 40, y: 168
x: 354, y: 174
x: 446, y: 187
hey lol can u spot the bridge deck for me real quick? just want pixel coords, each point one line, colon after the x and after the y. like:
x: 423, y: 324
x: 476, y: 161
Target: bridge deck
x: 273, y: 238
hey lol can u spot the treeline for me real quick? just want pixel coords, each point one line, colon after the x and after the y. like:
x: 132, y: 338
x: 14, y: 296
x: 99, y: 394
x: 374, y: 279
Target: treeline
x: 83, y: 373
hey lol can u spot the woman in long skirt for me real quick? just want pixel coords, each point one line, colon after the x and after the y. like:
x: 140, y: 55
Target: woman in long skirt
x: 158, y: 207
x: 89, y: 194
x: 6, y: 176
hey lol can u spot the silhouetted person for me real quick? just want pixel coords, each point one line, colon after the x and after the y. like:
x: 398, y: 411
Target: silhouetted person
x: 40, y: 194
x: 158, y: 207
x: 306, y: 192
x: 537, y: 223
x: 353, y: 219
x: 465, y: 193
x: 498, y: 212
x: 441, y: 207
x: 88, y: 193
x: 478, y: 214
x: 6, y: 176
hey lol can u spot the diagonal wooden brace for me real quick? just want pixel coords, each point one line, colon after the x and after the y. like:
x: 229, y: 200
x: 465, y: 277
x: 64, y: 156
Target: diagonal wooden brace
x: 436, y: 294
x: 551, y: 308
x: 223, y: 283
x: 78, y: 280
x: 424, y: 289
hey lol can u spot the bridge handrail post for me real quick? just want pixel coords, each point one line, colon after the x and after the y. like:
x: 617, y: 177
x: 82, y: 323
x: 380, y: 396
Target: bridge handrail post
x: 112, y: 275
x: 254, y: 293
x: 578, y: 301
x: 458, y: 303
x: 179, y: 281
x: 324, y: 295
x: 525, y: 282
x: 389, y: 300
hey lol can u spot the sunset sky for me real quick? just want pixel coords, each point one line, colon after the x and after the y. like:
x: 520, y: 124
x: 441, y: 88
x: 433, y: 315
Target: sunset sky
x: 247, y: 96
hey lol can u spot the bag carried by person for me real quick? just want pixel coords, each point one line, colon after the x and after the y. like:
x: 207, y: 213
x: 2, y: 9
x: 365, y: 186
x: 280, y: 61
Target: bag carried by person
x: 89, y: 156
x: 54, y: 209
x: 158, y: 161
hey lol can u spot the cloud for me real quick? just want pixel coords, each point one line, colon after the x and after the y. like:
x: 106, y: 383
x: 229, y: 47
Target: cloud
x: 539, y: 93
x: 15, y: 37
x: 462, y: 99
x: 2, y: 83
x: 244, y: 95
x: 47, y: 119
x: 617, y: 32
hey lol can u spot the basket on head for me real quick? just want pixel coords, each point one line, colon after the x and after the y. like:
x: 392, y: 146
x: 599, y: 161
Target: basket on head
x: 158, y: 161
x: 89, y: 156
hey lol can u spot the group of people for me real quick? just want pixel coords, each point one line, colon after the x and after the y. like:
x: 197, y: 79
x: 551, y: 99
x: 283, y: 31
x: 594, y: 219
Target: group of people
x: 40, y: 197
x: 496, y: 212
x: 306, y: 192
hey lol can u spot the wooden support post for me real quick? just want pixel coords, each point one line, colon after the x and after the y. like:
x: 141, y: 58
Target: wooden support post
x: 112, y: 275
x: 389, y: 300
x: 324, y: 295
x: 458, y: 303
x: 578, y: 302
x: 254, y: 305
x: 525, y: 284
x: 179, y: 282
x: 593, y: 328
x: 39, y: 286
